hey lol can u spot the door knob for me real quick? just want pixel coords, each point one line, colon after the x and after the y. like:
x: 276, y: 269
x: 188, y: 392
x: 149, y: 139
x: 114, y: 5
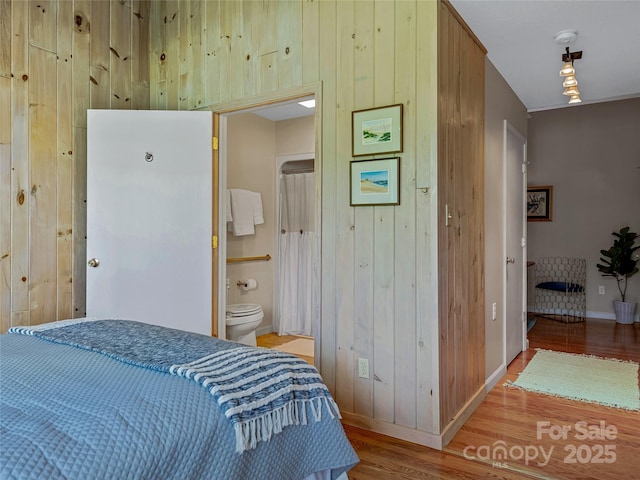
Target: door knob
x: 94, y: 262
x: 511, y: 260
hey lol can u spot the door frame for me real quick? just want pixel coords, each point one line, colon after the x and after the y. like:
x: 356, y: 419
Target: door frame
x: 510, y: 129
x: 220, y: 113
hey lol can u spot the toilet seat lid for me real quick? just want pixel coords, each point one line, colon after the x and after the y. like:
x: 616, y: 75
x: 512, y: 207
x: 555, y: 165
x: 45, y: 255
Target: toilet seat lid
x: 242, y: 309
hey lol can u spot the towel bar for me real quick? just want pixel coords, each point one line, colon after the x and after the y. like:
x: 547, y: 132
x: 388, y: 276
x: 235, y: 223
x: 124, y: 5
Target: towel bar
x: 265, y: 258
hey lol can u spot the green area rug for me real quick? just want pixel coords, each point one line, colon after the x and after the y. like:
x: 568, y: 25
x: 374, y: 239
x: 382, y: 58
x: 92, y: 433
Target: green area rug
x: 604, y: 381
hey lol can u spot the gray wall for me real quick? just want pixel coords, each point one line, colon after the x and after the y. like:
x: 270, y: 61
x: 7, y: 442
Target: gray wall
x: 591, y: 156
x: 500, y: 103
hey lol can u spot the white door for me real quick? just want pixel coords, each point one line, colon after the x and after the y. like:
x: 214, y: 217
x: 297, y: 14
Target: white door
x: 515, y: 242
x: 149, y: 217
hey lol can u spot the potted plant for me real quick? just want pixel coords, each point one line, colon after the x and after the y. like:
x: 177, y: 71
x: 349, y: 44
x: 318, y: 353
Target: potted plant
x: 621, y: 263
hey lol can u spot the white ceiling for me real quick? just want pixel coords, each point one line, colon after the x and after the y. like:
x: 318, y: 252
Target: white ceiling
x: 284, y: 110
x: 519, y: 38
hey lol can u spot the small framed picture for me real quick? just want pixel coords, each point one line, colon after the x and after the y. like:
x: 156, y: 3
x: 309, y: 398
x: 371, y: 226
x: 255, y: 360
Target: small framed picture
x: 375, y: 182
x: 539, y: 203
x: 376, y: 130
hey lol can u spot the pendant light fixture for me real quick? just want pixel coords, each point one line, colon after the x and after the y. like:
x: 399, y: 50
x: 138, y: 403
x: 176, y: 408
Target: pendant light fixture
x: 570, y: 91
x: 567, y: 69
x: 570, y: 83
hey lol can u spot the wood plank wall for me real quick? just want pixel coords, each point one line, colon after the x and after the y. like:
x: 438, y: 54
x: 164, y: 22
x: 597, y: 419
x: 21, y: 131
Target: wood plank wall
x: 58, y: 58
x: 461, y: 190
x: 379, y: 283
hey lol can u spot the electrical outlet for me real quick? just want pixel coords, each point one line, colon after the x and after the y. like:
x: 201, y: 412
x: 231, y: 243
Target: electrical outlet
x: 494, y: 311
x: 601, y: 289
x: 363, y: 368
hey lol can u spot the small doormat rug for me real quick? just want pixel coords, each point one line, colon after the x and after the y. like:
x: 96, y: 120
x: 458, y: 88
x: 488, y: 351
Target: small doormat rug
x: 585, y: 378
x: 299, y: 346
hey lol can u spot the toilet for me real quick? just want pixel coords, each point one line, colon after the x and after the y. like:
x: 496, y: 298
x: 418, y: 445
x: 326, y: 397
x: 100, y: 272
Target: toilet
x: 242, y: 320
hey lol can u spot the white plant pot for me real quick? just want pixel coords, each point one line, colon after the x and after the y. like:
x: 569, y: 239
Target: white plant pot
x: 625, y: 312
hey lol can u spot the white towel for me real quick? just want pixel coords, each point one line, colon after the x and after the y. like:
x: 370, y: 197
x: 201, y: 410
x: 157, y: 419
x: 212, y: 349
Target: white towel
x: 228, y: 207
x: 258, y: 217
x: 246, y: 209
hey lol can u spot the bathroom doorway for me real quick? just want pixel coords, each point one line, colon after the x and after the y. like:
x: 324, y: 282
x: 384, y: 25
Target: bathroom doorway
x: 254, y: 138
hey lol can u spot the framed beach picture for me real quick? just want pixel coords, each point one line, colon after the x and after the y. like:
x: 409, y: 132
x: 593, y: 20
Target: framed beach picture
x: 539, y: 203
x: 376, y: 130
x: 375, y: 182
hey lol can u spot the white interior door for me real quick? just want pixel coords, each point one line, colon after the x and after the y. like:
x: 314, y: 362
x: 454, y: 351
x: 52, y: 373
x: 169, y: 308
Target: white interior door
x: 515, y: 243
x: 149, y: 217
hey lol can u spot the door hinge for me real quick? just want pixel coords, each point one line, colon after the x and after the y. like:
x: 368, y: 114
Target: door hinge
x: 214, y: 241
x: 214, y: 143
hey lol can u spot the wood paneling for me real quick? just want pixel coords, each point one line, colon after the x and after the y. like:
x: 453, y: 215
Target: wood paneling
x: 326, y: 68
x: 120, y: 46
x: 461, y: 194
x: 366, y: 45
x: 343, y: 245
x: 42, y: 186
x: 5, y: 39
x: 404, y: 269
x: 64, y: 162
x: 96, y: 55
x: 379, y: 282
x: 6, y: 203
x: 379, y: 286
x: 52, y: 69
x: 42, y: 24
x: 5, y: 234
x: 20, y: 197
x: 83, y: 78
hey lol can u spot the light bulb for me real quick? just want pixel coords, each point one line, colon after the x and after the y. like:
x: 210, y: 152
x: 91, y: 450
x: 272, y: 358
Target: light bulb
x: 567, y: 69
x: 571, y: 91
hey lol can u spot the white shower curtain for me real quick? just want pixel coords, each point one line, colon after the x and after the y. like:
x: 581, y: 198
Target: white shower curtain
x: 296, y: 245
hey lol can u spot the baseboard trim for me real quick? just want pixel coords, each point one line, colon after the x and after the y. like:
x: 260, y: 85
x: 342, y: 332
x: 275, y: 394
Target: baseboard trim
x: 463, y: 415
x: 493, y: 379
x: 264, y: 330
x: 601, y: 315
x: 592, y: 314
x: 392, y: 430
x: 412, y: 435
x: 608, y: 316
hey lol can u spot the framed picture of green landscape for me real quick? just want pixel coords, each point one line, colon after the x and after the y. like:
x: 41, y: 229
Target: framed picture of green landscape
x: 377, y: 130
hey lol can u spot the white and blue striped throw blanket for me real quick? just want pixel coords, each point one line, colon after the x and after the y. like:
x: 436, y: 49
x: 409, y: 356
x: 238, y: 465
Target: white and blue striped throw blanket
x: 259, y: 391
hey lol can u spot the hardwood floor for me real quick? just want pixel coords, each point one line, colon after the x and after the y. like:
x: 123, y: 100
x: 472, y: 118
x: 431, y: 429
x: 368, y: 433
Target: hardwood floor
x: 509, y: 417
x: 271, y: 340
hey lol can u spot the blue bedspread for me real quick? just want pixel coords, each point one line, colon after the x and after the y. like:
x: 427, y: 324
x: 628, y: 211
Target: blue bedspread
x: 70, y: 412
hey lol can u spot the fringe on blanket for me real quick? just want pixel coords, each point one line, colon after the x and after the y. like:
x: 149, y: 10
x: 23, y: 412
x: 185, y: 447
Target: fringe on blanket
x: 262, y: 428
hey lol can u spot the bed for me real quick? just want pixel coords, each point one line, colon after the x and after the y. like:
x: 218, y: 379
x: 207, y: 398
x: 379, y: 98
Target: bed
x: 96, y: 399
